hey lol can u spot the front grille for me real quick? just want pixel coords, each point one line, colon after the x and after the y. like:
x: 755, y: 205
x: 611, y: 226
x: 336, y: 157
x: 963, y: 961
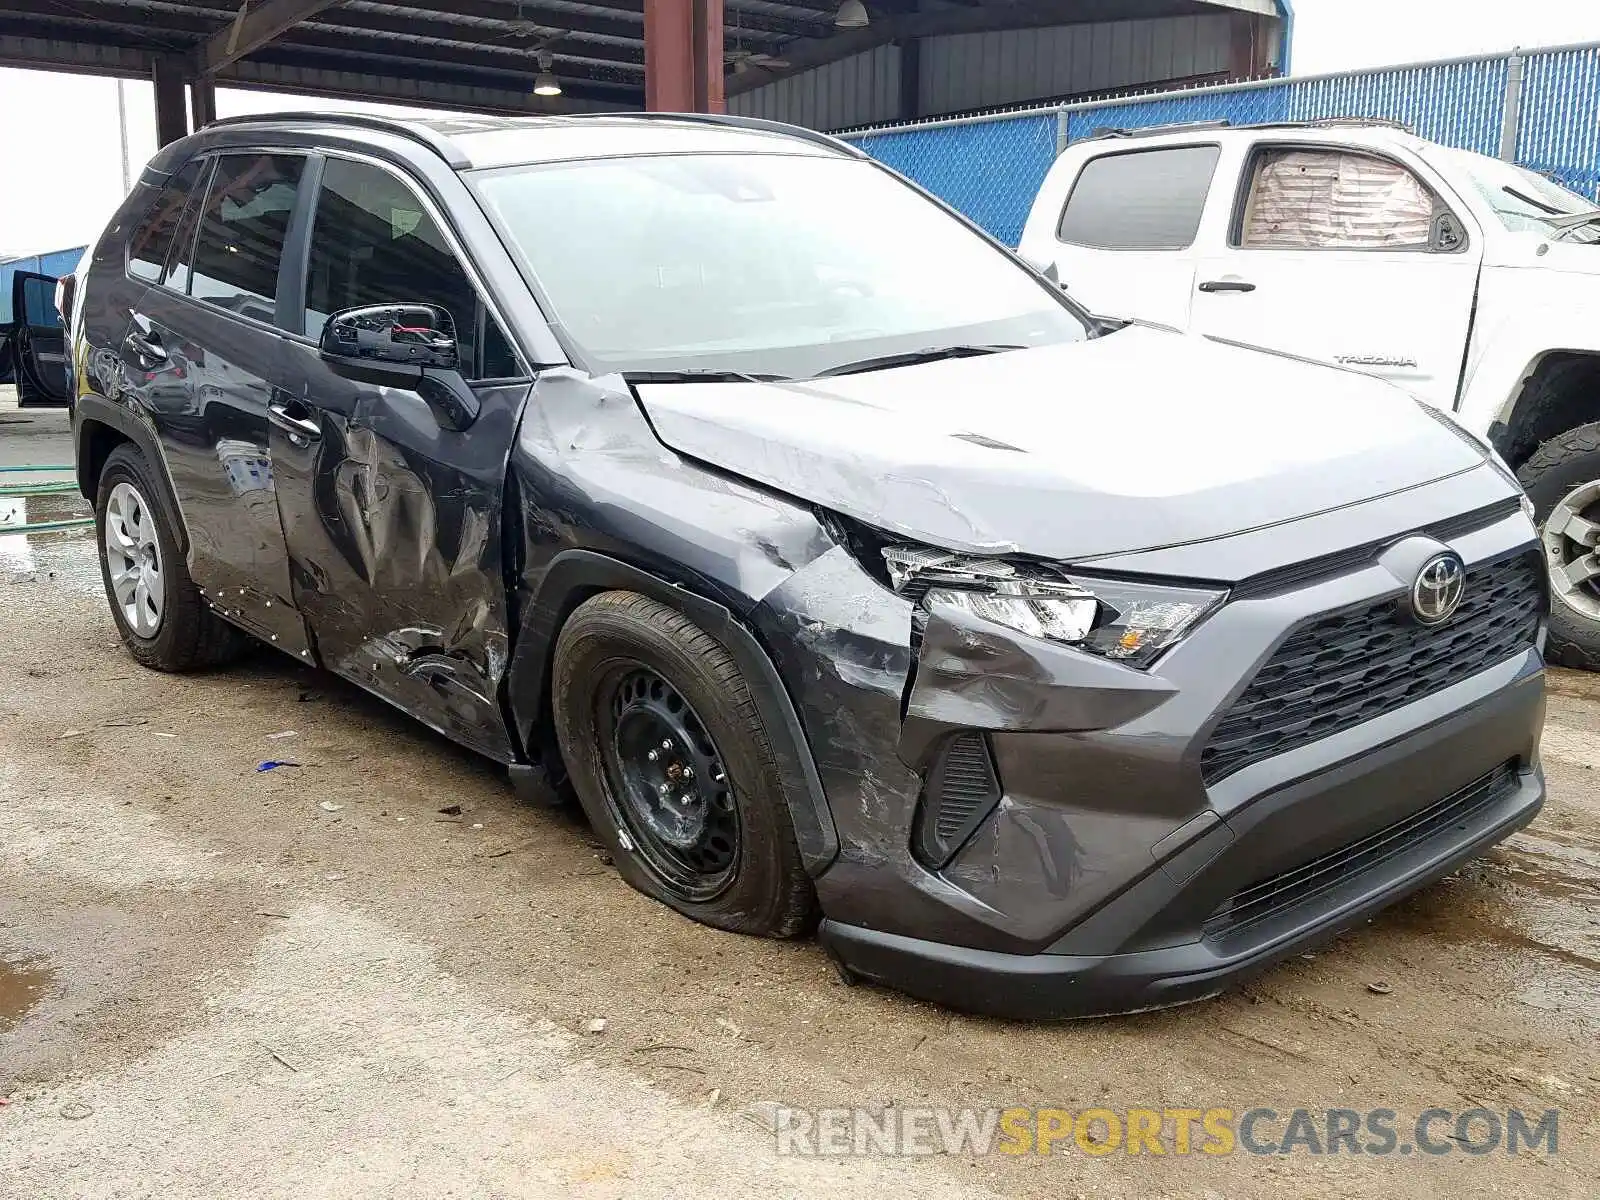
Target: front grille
x: 1288, y: 888
x: 1338, y: 670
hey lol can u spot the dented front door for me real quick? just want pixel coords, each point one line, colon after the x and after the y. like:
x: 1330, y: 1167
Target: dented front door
x: 393, y: 522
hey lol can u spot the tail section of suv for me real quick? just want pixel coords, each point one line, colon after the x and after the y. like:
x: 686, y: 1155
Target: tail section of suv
x: 1048, y: 668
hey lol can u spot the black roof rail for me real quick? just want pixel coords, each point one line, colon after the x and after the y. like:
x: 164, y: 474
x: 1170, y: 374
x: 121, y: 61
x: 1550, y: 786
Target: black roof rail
x: 1113, y: 131
x: 431, y: 138
x: 1224, y: 123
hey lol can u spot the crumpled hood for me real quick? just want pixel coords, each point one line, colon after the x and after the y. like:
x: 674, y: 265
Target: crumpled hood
x: 1134, y: 441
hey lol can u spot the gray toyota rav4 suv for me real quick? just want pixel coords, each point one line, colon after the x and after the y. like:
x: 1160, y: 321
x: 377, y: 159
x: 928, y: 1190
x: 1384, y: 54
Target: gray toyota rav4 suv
x: 705, y: 470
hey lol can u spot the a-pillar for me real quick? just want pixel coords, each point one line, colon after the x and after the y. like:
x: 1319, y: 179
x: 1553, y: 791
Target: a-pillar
x: 683, y: 56
x: 172, y: 118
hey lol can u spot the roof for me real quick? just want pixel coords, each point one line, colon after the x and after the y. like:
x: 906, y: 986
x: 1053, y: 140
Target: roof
x: 503, y: 141
x: 481, y: 55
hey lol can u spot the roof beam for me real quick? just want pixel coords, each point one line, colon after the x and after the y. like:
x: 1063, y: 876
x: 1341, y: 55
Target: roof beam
x: 252, y: 29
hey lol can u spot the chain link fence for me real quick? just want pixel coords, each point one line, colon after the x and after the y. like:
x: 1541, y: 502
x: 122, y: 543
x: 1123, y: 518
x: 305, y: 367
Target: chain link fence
x: 1541, y: 109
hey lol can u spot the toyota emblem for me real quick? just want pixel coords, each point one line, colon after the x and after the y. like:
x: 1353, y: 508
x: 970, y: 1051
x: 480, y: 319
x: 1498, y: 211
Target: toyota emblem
x: 1437, y: 591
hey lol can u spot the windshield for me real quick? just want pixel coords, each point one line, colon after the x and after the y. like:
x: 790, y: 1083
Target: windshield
x: 769, y: 264
x: 1523, y: 201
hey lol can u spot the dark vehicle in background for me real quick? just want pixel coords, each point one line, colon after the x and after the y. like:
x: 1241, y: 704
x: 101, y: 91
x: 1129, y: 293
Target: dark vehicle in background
x: 656, y: 458
x: 33, y: 344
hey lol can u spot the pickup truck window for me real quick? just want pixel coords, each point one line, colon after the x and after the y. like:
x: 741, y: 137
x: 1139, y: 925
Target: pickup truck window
x: 1335, y: 200
x: 1140, y: 200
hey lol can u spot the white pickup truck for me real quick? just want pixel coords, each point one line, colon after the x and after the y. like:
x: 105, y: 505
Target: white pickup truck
x: 1470, y: 282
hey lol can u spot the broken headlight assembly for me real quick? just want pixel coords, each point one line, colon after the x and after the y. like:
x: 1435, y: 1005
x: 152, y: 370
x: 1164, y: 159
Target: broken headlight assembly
x: 1130, y: 623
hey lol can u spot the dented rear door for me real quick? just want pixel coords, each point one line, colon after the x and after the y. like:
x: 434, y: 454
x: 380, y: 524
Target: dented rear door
x: 393, y: 522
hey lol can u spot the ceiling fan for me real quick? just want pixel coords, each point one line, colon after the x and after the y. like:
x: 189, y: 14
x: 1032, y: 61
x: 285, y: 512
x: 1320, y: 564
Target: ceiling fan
x: 740, y: 57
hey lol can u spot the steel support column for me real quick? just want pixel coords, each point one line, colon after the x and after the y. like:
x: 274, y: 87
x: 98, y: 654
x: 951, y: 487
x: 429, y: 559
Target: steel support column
x: 683, y: 56
x: 172, y: 121
x: 202, y: 101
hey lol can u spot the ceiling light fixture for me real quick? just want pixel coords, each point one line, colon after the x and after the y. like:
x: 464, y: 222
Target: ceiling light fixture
x: 545, y: 83
x: 852, y: 14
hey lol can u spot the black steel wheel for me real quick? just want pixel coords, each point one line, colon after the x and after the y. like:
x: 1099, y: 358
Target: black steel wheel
x: 667, y: 784
x: 666, y: 749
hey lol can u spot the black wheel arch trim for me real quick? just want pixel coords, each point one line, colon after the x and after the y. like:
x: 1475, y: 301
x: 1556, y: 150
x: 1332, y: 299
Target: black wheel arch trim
x: 100, y: 411
x: 575, y: 575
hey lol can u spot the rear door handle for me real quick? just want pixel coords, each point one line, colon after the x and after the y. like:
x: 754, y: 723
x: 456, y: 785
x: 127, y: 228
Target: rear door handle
x: 288, y: 415
x: 1227, y: 285
x: 145, y: 347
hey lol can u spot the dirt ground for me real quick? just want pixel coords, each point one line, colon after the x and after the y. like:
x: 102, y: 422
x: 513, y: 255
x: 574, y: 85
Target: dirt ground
x: 309, y: 982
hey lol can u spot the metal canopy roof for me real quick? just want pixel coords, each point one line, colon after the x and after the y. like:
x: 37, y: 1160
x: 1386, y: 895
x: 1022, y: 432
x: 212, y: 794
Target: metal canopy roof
x: 482, y: 54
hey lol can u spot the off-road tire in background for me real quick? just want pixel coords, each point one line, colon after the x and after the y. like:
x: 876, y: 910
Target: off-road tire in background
x: 617, y: 633
x: 190, y: 636
x: 1565, y: 462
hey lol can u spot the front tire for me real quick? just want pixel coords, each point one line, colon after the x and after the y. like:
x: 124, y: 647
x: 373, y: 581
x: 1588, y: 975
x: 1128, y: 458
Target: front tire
x: 164, y: 621
x: 1563, y: 481
x: 666, y: 750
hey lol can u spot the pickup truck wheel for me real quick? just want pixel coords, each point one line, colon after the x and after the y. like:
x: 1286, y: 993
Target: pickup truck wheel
x: 667, y: 753
x: 164, y: 621
x: 1563, y: 481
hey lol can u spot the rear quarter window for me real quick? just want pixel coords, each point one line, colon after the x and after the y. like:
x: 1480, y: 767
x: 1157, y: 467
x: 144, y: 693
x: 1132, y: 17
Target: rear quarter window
x: 1140, y: 200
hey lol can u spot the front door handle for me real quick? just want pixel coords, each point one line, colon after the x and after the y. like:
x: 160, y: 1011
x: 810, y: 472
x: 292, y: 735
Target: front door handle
x: 291, y: 417
x: 1227, y: 285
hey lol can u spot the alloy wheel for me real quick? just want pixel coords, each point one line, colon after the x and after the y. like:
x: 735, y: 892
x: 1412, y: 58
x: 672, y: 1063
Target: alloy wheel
x: 133, y: 560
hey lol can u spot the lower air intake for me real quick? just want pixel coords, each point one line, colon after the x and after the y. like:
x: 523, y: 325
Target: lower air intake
x: 962, y: 790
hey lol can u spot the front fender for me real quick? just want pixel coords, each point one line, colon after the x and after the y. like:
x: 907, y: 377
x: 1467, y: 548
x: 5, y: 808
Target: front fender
x: 1510, y: 354
x: 575, y: 575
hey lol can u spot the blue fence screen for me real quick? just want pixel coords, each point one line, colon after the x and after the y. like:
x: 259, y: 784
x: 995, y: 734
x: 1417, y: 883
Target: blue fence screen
x: 990, y: 168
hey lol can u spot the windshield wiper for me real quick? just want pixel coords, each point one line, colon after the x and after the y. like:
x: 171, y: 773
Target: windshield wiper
x: 1576, y: 221
x: 1539, y: 204
x: 702, y: 375
x: 1565, y: 222
x: 912, y: 357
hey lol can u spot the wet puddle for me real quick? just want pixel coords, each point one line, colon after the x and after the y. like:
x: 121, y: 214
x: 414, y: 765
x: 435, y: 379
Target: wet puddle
x: 62, y: 556
x: 21, y: 987
x: 1528, y: 914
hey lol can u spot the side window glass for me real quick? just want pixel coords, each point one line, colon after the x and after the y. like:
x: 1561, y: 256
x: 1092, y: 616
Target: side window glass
x: 39, y: 303
x: 499, y: 360
x: 373, y: 242
x: 151, y: 241
x: 242, y: 231
x: 1143, y: 200
x: 1335, y: 200
x: 180, y: 263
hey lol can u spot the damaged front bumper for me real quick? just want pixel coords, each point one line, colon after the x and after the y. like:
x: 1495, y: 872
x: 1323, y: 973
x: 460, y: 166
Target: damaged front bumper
x: 1112, y: 873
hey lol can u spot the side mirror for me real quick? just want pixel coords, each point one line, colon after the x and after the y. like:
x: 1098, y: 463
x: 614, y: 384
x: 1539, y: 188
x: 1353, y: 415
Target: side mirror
x: 417, y: 335
x: 1046, y: 267
x: 409, y: 346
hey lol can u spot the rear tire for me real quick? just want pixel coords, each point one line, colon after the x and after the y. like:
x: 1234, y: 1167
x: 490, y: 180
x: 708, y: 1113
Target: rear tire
x: 166, y: 625
x: 1557, y: 478
x: 632, y: 675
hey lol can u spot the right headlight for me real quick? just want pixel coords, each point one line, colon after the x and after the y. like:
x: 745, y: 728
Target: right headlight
x: 1128, y: 622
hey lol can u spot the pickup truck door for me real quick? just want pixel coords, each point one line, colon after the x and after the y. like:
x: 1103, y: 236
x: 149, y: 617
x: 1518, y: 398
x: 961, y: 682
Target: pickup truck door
x: 1121, y: 230
x: 1346, y: 256
x: 393, y: 513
